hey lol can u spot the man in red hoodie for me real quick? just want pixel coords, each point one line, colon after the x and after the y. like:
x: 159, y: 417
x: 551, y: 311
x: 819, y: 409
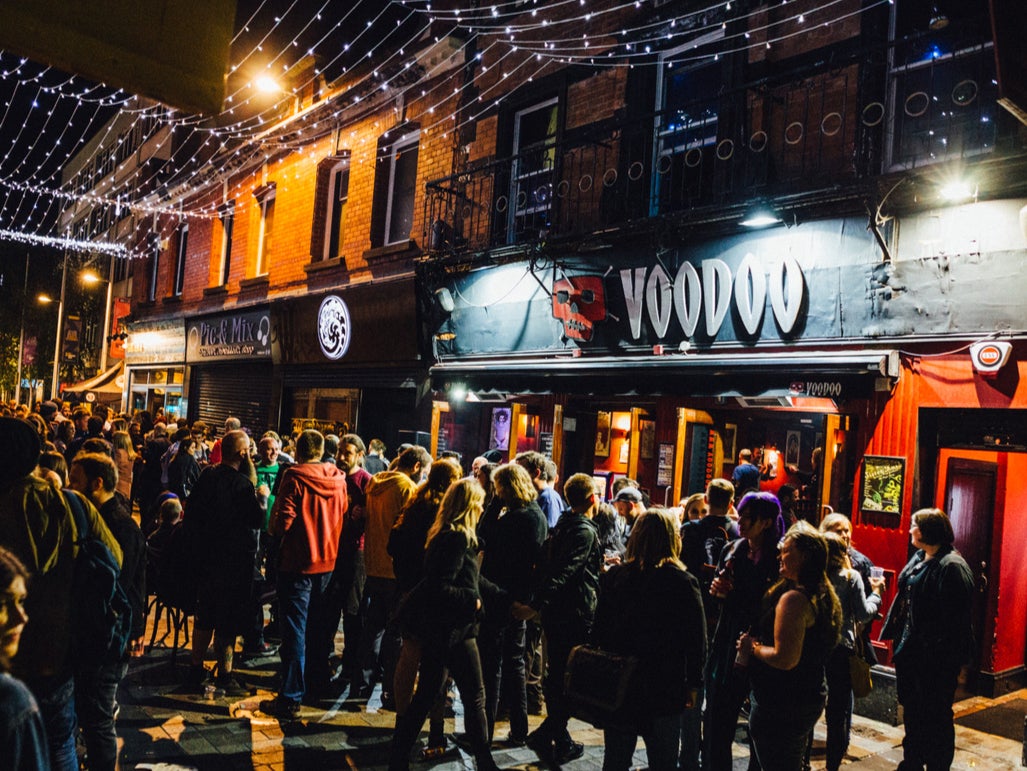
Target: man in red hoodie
x: 307, y: 516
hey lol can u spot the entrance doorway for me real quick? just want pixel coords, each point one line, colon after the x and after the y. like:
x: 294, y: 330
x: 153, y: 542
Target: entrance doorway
x: 970, y: 487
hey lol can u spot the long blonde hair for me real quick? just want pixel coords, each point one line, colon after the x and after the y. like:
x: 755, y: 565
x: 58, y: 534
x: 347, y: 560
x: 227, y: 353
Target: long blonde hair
x: 460, y: 509
x: 655, y: 540
x: 122, y: 441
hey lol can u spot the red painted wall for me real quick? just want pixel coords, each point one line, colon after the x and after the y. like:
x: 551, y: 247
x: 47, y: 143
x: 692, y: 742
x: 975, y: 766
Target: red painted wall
x: 889, y: 427
x: 1007, y: 613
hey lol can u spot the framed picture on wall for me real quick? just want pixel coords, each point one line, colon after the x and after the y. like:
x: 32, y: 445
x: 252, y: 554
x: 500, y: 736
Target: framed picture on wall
x: 603, y: 420
x: 728, y: 435
x: 792, y: 445
x: 499, y: 435
x: 647, y: 440
x: 884, y: 479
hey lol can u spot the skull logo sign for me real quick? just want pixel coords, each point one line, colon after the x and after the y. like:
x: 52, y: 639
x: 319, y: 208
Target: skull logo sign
x: 579, y: 302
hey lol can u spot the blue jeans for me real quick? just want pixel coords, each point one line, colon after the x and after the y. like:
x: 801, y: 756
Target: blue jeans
x: 661, y: 745
x: 780, y: 732
x: 96, y: 690
x: 300, y: 602
x: 57, y: 705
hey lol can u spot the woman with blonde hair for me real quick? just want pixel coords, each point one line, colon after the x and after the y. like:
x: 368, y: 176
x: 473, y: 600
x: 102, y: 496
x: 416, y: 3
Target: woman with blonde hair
x: 125, y: 459
x: 512, y: 541
x: 443, y: 612
x: 787, y: 650
x: 406, y: 547
x: 650, y: 608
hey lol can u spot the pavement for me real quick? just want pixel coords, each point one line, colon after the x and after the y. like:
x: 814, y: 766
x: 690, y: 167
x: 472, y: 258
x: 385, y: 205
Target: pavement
x: 164, y: 727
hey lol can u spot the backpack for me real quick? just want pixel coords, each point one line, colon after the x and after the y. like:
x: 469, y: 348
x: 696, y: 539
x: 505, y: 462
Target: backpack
x: 702, y: 543
x: 101, y: 612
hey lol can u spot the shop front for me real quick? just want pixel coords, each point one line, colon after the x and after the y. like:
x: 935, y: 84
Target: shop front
x: 350, y: 360
x: 230, y: 373
x: 847, y: 376
x: 155, y: 362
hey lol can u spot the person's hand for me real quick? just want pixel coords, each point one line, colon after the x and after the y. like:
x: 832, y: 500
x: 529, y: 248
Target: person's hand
x: 744, y: 646
x: 721, y: 586
x: 611, y: 559
x: 477, y: 604
x: 136, y: 647
x: 263, y: 490
x: 877, y: 584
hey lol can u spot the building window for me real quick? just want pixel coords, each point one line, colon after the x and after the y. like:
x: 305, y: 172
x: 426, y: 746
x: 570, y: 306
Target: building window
x: 395, y: 184
x: 226, y: 216
x: 686, y: 129
x: 531, y: 176
x: 265, y: 196
x: 942, y: 84
x: 332, y: 192
x: 183, y: 245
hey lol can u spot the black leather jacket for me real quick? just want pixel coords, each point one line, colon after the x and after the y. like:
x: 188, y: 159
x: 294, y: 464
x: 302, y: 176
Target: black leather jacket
x: 568, y: 587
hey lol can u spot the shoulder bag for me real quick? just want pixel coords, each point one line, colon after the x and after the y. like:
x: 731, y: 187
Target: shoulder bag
x: 600, y: 688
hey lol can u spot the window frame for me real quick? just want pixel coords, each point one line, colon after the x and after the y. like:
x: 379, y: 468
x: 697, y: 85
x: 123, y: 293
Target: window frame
x: 411, y: 139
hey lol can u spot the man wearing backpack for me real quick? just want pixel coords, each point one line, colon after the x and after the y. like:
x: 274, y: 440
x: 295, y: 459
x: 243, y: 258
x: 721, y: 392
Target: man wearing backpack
x: 96, y: 683
x: 702, y: 541
x: 36, y: 523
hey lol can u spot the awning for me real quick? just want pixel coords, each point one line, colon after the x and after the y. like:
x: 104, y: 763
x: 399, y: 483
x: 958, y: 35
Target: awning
x: 109, y: 383
x: 827, y: 374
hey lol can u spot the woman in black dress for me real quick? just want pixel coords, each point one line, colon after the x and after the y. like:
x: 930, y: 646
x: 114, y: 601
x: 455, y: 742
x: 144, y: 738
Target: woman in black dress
x: 443, y: 612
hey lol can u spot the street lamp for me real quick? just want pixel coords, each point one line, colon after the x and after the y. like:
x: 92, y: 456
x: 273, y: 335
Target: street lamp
x: 91, y: 278
x: 46, y: 299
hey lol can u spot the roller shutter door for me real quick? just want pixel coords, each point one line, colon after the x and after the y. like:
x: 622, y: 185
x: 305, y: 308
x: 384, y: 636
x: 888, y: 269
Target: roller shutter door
x: 240, y: 390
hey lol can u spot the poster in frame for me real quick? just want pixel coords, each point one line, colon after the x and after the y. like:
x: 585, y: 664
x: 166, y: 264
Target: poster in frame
x: 728, y: 436
x: 499, y: 434
x: 647, y: 439
x: 603, y: 434
x: 793, y: 444
x: 884, y: 480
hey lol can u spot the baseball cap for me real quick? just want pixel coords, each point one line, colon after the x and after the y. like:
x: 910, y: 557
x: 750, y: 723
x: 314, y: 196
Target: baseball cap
x: 629, y: 494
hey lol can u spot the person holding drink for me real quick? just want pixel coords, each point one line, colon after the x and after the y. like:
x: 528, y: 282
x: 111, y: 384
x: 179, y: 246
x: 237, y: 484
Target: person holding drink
x: 747, y: 568
x: 799, y: 625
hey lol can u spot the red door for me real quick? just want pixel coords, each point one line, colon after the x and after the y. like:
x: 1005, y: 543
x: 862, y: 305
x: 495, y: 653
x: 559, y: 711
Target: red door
x: 970, y: 504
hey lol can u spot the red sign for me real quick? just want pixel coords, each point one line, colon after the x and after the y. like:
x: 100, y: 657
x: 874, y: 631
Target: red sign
x: 122, y: 308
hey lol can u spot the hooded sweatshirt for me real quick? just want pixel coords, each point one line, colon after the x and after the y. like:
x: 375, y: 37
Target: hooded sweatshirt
x: 387, y: 494
x: 308, y: 514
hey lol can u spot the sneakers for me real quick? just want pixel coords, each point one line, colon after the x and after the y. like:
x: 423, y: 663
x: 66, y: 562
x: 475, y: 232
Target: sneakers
x: 434, y: 751
x: 261, y: 651
x: 280, y: 708
x: 566, y: 751
x: 232, y: 686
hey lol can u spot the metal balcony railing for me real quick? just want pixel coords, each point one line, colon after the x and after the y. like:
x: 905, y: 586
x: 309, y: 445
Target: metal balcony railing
x: 824, y: 130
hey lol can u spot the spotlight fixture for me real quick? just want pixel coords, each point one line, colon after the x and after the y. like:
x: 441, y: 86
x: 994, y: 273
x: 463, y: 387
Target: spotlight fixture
x: 760, y: 217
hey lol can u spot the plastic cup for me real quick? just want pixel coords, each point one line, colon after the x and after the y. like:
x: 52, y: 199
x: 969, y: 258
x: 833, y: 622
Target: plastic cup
x: 876, y: 572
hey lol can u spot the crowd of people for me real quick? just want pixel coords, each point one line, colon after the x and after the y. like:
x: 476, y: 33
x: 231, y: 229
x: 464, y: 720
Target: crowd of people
x: 489, y: 579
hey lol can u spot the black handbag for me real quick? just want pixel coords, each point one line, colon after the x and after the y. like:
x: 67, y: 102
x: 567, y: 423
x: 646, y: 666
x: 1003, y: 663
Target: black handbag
x: 601, y: 688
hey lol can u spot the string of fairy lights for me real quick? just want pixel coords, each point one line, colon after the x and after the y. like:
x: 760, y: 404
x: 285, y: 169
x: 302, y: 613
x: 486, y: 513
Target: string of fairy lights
x: 72, y: 147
